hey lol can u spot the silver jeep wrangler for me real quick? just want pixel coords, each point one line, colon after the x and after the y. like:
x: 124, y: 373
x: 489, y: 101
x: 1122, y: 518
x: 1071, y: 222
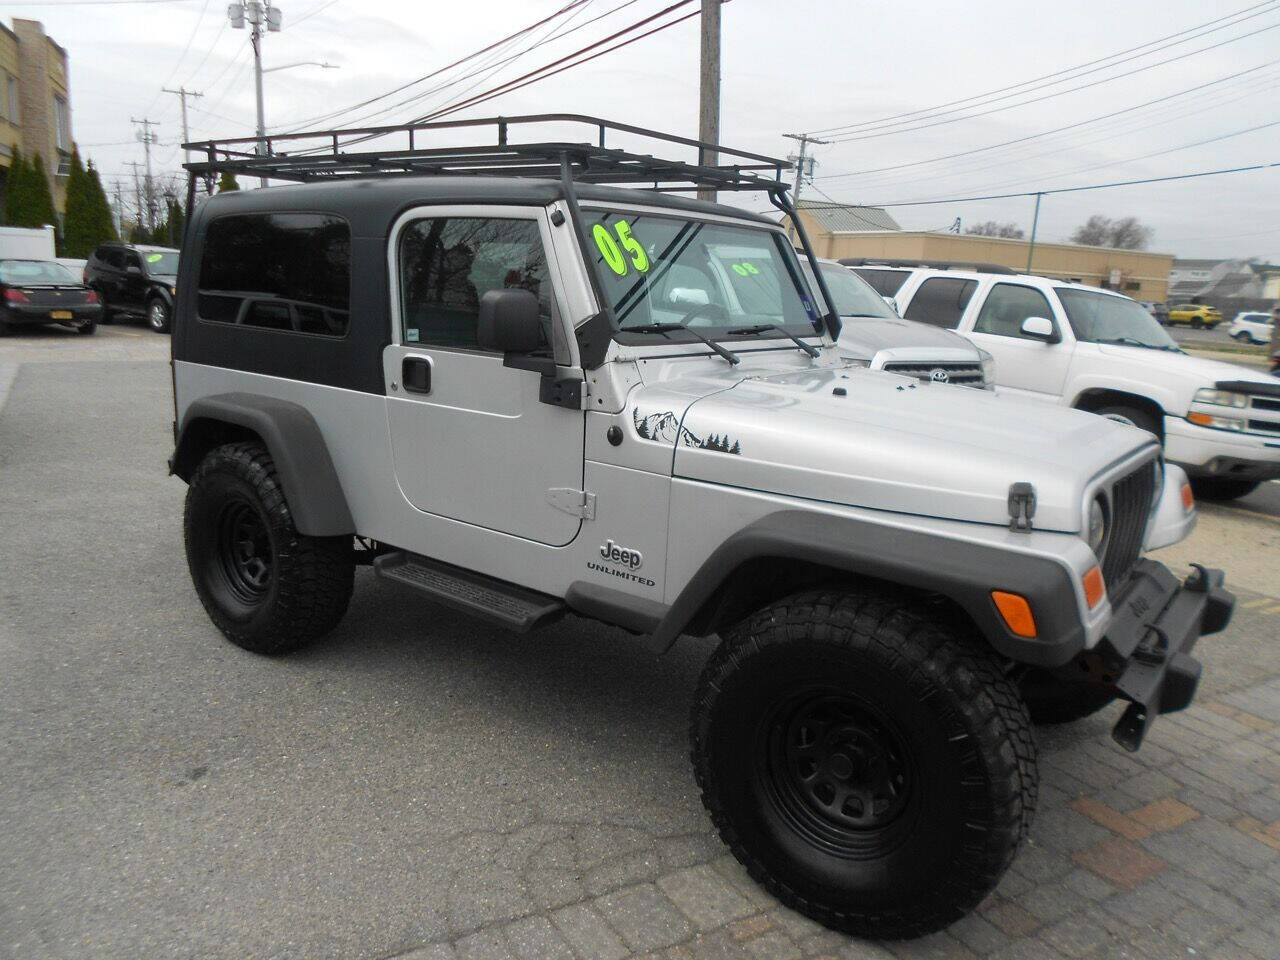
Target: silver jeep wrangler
x: 521, y: 390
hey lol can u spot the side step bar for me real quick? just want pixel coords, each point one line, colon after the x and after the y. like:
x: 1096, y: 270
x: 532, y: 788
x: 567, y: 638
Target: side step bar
x: 494, y: 600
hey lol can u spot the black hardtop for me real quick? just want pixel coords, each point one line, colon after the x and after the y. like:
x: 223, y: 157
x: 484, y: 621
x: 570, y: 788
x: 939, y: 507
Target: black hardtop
x: 140, y: 247
x: 371, y: 204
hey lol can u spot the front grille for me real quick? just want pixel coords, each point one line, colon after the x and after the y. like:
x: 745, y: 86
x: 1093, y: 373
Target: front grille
x: 1265, y: 403
x: 1265, y: 426
x: 1130, y: 509
x: 965, y: 374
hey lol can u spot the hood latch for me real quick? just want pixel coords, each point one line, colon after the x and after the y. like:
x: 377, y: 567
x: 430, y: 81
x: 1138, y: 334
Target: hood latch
x: 1022, y: 506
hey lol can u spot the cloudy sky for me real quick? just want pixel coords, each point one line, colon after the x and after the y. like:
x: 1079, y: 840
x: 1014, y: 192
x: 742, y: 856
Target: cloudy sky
x: 924, y: 98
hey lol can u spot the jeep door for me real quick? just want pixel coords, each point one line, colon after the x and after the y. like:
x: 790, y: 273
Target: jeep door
x: 470, y: 438
x: 1024, y: 364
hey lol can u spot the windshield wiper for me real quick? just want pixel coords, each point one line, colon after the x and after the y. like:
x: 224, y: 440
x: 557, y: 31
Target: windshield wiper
x: 729, y: 355
x: 812, y: 351
x: 1132, y: 342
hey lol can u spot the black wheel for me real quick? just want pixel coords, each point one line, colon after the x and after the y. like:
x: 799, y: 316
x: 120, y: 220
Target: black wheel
x: 872, y: 768
x: 158, y: 315
x: 267, y: 587
x: 1050, y: 699
x: 1196, y: 323
x: 87, y: 328
x: 107, y: 316
x: 1221, y: 488
x: 1134, y: 416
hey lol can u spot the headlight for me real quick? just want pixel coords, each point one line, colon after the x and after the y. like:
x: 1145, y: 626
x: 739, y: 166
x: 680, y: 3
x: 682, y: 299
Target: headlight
x: 988, y: 368
x: 1096, y: 534
x: 1222, y: 398
x: 1218, y: 423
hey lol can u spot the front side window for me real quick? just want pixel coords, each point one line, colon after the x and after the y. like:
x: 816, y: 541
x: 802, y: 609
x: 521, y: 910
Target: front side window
x: 940, y: 301
x: 161, y: 264
x: 887, y: 283
x: 718, y: 278
x: 279, y: 271
x: 1008, y: 306
x: 1098, y: 318
x: 448, y: 263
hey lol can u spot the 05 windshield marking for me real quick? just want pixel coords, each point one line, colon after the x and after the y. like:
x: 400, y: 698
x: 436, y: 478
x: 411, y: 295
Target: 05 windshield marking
x: 1102, y: 318
x: 721, y: 280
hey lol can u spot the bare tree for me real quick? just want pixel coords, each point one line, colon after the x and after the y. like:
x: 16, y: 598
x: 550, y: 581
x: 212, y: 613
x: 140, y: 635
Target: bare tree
x: 1127, y: 233
x: 990, y: 228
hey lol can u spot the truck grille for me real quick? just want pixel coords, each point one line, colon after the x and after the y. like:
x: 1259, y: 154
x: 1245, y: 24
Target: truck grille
x: 1130, y: 509
x: 965, y: 374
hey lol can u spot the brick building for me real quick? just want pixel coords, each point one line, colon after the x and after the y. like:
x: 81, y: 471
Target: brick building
x: 35, y: 103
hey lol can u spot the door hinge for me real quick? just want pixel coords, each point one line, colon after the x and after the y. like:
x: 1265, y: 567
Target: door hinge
x: 577, y: 503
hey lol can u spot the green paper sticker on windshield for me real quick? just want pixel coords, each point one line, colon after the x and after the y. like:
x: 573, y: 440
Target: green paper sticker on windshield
x: 154, y: 257
x: 745, y: 269
x: 613, y: 255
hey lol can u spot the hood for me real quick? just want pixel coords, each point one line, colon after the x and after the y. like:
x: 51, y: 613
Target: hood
x: 168, y: 279
x: 863, y: 337
x: 887, y: 442
x: 1198, y: 371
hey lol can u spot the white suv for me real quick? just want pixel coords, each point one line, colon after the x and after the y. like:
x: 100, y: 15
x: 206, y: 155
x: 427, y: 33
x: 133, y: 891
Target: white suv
x: 1251, y: 327
x: 1076, y: 345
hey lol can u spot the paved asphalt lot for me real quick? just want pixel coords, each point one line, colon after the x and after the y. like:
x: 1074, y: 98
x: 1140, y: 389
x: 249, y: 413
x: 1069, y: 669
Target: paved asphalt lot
x: 419, y: 786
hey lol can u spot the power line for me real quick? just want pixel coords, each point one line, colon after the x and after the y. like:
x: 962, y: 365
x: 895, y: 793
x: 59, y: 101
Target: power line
x: 1069, y: 126
x: 182, y: 56
x: 1093, y: 186
x: 312, y: 12
x: 889, y: 121
x: 1049, y: 96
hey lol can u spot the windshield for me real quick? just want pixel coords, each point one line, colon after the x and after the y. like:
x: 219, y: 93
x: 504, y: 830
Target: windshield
x: 1101, y: 318
x: 712, y: 277
x: 853, y: 296
x: 34, y: 272
x: 165, y: 264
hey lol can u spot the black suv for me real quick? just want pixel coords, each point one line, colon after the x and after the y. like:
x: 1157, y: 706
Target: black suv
x: 134, y: 281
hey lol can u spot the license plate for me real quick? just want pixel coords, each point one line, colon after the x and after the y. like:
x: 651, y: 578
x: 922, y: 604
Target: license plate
x: 60, y: 314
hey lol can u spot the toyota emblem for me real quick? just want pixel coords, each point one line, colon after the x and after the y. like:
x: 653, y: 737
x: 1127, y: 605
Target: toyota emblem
x: 938, y: 375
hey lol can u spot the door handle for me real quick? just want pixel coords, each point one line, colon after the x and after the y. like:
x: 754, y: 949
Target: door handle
x: 415, y: 374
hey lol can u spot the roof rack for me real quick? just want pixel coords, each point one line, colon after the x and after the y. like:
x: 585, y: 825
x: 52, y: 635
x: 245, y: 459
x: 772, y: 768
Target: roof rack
x: 328, y: 154
x: 931, y: 264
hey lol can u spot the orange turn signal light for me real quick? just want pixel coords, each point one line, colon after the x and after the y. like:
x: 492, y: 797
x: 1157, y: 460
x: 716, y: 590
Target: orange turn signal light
x: 1016, y: 613
x: 1200, y: 419
x: 1094, y: 586
x: 1188, y: 498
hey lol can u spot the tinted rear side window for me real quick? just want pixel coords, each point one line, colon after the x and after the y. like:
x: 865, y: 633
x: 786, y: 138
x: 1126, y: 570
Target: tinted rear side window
x: 278, y: 271
x: 884, y: 282
x: 940, y: 301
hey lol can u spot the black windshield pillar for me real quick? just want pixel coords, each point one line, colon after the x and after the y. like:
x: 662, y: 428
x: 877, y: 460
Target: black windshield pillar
x: 831, y: 319
x: 596, y: 333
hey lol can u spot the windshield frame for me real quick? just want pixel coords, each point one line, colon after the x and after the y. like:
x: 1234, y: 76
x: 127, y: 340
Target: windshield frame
x: 816, y: 328
x: 1162, y: 341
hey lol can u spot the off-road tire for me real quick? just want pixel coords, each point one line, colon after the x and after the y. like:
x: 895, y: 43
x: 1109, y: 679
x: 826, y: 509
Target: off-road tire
x: 1137, y: 416
x: 1220, y: 489
x: 237, y: 525
x: 1052, y: 700
x: 918, y: 703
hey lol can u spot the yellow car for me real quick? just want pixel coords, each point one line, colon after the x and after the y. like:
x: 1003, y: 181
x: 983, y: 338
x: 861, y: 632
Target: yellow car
x: 1197, y: 314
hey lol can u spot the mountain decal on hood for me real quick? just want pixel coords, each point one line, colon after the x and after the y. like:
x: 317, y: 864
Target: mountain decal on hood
x: 665, y: 427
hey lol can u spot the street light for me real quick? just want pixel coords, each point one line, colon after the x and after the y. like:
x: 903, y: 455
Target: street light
x: 326, y: 65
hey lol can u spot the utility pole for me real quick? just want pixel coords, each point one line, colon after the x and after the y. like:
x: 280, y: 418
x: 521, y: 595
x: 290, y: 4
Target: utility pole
x: 1035, y: 222
x: 148, y: 138
x: 709, y: 88
x: 257, y: 13
x: 182, y: 93
x: 118, y: 212
x: 137, y: 196
x: 801, y: 171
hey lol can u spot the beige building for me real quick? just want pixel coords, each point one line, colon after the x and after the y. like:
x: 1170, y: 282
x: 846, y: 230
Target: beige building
x: 35, y: 103
x: 834, y: 232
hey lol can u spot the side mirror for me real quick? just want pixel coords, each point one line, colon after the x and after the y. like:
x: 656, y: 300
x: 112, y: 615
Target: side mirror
x: 893, y: 304
x: 688, y: 297
x: 133, y: 269
x: 509, y: 322
x: 1039, y: 328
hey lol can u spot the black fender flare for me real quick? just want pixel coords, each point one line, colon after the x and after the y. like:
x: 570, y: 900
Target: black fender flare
x: 292, y: 437
x: 964, y: 572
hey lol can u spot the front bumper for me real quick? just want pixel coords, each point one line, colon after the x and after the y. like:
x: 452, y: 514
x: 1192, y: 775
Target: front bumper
x: 1146, y: 651
x: 29, y: 315
x: 1206, y: 452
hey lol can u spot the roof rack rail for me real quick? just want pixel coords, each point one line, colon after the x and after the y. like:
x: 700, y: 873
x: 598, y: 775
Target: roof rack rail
x: 931, y: 264
x: 328, y: 154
